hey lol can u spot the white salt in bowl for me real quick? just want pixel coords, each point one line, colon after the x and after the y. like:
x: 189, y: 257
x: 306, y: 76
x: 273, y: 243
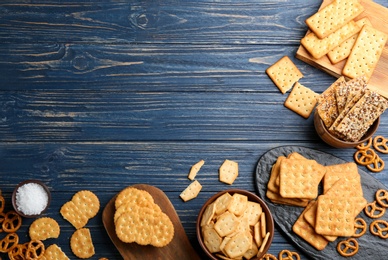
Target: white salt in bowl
x: 31, y: 198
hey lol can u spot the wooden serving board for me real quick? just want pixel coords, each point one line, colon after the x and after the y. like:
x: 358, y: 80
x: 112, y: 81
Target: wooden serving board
x: 378, y: 15
x: 179, y: 247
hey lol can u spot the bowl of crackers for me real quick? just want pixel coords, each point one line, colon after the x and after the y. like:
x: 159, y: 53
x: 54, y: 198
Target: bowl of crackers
x: 235, y: 224
x: 348, y: 113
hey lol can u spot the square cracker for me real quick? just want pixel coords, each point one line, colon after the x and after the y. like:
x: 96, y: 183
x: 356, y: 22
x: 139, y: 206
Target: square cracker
x: 346, y: 171
x: 300, y: 178
x: 365, y: 53
x: 284, y: 74
x: 301, y: 100
x: 335, y: 216
x: 307, y: 232
x: 333, y: 16
x: 327, y: 103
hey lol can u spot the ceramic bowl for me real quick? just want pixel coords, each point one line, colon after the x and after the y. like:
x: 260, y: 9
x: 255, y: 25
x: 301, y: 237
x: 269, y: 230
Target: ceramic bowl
x: 251, y: 197
x: 34, y: 188
x: 333, y: 141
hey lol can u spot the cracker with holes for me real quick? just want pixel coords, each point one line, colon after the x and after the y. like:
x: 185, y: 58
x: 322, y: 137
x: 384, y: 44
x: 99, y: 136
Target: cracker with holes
x: 365, y: 53
x: 334, y: 16
x: 284, y: 74
x: 301, y: 100
x: 54, y: 252
x: 44, y: 228
x: 195, y: 169
x: 228, y: 171
x: 81, y: 243
x: 300, y: 178
x: 191, y: 191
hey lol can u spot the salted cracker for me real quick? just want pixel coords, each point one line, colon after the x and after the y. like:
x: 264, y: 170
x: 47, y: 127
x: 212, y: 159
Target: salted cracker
x: 70, y: 212
x: 320, y: 47
x: 228, y: 171
x: 81, y: 243
x: 342, y: 51
x: 54, y: 252
x: 87, y: 203
x: 212, y: 240
x: 238, y: 244
x: 284, y: 74
x: 365, y: 53
x: 191, y: 191
x: 44, y: 228
x: 327, y: 103
x: 226, y: 224
x: 301, y: 100
x: 238, y: 204
x: 222, y: 203
x: 348, y: 172
x: 334, y: 16
x: 195, y: 169
x: 133, y: 194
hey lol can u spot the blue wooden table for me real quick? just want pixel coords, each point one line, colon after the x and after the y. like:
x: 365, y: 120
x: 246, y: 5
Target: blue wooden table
x: 100, y: 95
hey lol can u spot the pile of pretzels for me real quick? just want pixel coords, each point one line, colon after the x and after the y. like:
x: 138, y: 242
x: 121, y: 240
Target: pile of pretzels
x: 366, y: 155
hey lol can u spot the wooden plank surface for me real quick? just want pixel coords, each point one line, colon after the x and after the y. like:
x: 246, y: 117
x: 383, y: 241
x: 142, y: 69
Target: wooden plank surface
x: 378, y: 16
x: 100, y: 96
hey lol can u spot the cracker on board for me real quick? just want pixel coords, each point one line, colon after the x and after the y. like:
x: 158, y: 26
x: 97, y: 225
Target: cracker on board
x: 303, y: 229
x: 333, y: 16
x: 335, y: 216
x: 228, y: 171
x: 300, y: 178
x: 195, y: 169
x: 191, y: 191
x: 301, y: 100
x: 327, y: 103
x: 342, y: 51
x: 133, y: 194
x: 319, y: 47
x: 81, y: 243
x: 54, y: 252
x: 44, y: 228
x: 284, y: 74
x: 365, y: 53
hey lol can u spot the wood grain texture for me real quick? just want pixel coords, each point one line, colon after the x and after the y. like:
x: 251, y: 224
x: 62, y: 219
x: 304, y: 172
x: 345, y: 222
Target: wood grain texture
x: 102, y: 95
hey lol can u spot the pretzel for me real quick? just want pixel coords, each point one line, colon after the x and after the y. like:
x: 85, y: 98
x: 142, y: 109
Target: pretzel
x: 18, y: 252
x: 9, y: 242
x: 365, y: 156
x: 365, y: 145
x: 268, y: 257
x: 348, y: 247
x: 374, y: 211
x: 359, y: 227
x: 12, y: 222
x: 380, y: 143
x: 2, y: 203
x: 382, y: 197
x: 377, y: 165
x: 35, y: 249
x: 288, y: 255
x: 379, y: 228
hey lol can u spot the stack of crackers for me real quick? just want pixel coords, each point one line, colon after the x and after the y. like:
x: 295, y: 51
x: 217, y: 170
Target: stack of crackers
x: 349, y: 108
x: 336, y: 32
x: 295, y: 180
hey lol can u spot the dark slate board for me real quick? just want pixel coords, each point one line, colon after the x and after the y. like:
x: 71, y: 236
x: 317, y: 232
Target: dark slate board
x: 370, y: 246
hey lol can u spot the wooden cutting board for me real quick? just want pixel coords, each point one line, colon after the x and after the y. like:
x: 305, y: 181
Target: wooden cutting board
x: 378, y: 15
x: 179, y: 247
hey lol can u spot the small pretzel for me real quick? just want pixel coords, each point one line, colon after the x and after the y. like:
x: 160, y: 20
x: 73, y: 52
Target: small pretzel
x: 365, y: 145
x: 382, y: 197
x: 2, y: 203
x: 12, y: 222
x: 377, y: 165
x: 9, y: 242
x: 288, y: 255
x: 348, y: 247
x: 365, y: 156
x: 372, y: 210
x: 35, y: 250
x: 379, y: 228
x: 268, y: 257
x: 380, y: 143
x: 18, y: 252
x: 359, y: 227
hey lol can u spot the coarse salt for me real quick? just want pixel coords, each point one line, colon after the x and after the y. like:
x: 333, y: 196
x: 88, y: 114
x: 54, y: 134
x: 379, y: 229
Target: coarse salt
x: 31, y: 199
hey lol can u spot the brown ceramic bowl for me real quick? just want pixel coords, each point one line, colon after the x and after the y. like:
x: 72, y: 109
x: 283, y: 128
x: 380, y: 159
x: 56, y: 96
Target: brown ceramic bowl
x: 331, y: 140
x: 22, y: 188
x: 251, y: 197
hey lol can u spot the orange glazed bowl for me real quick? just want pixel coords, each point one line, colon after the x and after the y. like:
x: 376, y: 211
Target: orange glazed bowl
x: 333, y: 141
x: 268, y: 225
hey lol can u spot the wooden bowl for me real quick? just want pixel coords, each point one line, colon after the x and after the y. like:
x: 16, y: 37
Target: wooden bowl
x: 16, y: 204
x: 251, y: 197
x: 331, y: 140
